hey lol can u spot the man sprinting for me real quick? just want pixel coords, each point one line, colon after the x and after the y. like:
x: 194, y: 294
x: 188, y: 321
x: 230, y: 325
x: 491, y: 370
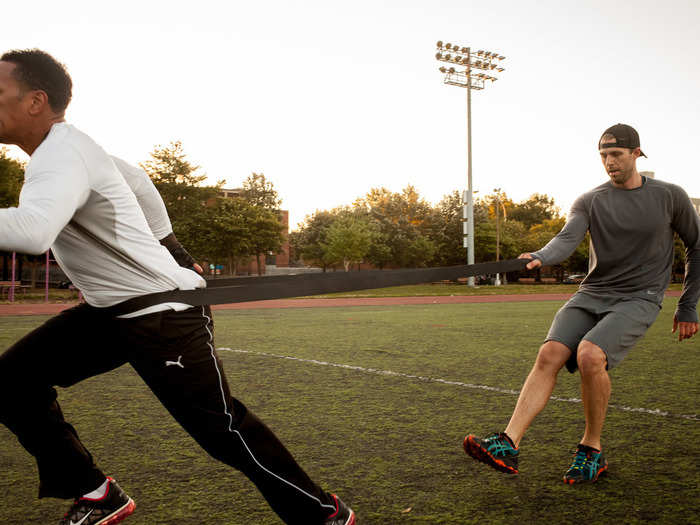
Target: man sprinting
x: 102, y: 221
x: 631, y: 220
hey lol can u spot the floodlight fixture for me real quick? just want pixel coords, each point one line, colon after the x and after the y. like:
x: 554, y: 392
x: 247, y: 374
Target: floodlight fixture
x: 439, y: 43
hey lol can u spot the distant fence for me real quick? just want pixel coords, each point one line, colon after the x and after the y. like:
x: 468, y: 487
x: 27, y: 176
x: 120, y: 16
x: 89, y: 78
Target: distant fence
x: 18, y: 275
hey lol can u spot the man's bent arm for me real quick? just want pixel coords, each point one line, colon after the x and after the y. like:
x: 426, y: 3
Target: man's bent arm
x: 154, y: 210
x: 686, y: 222
x: 565, y: 242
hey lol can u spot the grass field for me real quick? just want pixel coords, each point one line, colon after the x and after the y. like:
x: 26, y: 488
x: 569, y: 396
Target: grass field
x: 390, y: 444
x: 439, y: 289
x: 36, y: 295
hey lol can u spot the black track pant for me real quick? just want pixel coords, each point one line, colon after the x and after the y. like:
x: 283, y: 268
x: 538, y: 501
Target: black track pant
x: 174, y: 354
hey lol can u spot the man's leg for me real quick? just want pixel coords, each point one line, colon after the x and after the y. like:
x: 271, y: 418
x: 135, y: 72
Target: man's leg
x: 64, y: 350
x: 177, y: 360
x: 623, y: 321
x: 537, y: 389
x: 589, y: 462
x: 595, y: 391
x: 500, y: 450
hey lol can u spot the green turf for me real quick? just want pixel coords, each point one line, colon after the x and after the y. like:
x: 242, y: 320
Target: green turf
x: 390, y: 443
x: 443, y: 289
x: 36, y: 295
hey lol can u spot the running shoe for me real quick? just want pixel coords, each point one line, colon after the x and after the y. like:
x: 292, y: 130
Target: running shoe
x: 343, y: 514
x: 110, y: 509
x: 496, y: 450
x: 587, y: 465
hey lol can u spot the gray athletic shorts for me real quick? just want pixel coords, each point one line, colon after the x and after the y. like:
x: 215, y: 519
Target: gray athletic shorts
x: 613, y: 323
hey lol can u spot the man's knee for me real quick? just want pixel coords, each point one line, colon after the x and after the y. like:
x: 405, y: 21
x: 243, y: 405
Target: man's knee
x: 590, y: 358
x: 552, y: 356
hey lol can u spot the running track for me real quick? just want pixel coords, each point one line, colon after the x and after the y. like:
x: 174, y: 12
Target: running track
x: 51, y: 309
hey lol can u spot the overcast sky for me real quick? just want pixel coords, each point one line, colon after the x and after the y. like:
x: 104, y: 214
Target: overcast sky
x: 329, y: 99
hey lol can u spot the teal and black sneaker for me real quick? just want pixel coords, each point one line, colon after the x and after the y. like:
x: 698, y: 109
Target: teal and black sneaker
x: 587, y: 465
x: 496, y: 450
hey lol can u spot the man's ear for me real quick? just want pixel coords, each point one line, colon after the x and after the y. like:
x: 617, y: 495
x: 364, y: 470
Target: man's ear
x: 38, y: 102
x: 637, y: 152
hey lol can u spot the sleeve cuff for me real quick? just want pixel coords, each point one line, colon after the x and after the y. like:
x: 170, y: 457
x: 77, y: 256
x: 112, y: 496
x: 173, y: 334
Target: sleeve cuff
x: 684, y: 316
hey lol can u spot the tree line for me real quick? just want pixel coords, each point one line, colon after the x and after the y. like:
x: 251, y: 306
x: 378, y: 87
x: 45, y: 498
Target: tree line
x: 401, y: 229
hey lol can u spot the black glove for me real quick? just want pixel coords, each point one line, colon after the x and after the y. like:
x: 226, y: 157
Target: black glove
x: 178, y: 251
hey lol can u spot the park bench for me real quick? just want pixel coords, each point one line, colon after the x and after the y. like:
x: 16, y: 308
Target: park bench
x: 5, y: 287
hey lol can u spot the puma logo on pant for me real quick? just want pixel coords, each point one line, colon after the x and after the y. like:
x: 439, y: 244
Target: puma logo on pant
x: 176, y: 363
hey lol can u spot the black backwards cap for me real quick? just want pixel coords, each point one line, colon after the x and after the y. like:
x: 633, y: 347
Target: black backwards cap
x: 620, y: 136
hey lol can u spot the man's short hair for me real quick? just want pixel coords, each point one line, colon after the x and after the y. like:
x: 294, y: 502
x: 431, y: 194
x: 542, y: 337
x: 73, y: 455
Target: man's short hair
x: 37, y: 70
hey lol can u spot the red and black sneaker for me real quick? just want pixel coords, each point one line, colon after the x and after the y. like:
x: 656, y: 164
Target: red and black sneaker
x: 343, y: 514
x: 588, y: 464
x: 110, y: 509
x: 496, y: 450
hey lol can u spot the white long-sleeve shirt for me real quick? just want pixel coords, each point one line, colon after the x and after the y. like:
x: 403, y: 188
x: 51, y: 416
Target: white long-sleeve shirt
x: 76, y: 202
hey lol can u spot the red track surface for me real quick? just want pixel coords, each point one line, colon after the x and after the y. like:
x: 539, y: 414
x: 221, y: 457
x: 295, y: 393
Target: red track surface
x: 50, y: 309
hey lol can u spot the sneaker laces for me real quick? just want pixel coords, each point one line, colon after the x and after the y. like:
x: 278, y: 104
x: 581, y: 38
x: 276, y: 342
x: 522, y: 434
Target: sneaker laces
x: 580, y: 460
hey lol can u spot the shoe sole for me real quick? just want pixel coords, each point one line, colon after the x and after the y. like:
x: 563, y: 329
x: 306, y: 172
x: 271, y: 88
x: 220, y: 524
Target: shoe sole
x: 351, y: 519
x: 479, y: 453
x: 119, y: 515
x: 600, y: 472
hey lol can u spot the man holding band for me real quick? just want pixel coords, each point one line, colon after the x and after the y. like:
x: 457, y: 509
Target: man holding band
x: 632, y: 220
x: 103, y: 220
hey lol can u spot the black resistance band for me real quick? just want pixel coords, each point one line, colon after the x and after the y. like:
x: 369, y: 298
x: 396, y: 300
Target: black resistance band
x: 243, y: 289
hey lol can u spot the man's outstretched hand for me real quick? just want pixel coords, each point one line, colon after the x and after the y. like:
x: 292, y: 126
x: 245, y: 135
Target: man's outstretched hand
x: 534, y: 263
x: 685, y: 330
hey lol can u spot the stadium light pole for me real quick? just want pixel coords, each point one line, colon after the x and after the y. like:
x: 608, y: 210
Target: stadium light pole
x: 499, y: 204
x: 472, y: 77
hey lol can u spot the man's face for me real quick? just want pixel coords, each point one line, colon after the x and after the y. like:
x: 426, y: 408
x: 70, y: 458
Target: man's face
x: 619, y: 163
x: 14, y: 105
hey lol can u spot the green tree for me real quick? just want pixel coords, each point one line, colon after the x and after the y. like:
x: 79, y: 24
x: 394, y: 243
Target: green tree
x: 169, y: 165
x: 308, y: 241
x: 401, y: 217
x: 348, y: 240
x: 447, y: 232
x: 180, y: 185
x: 421, y: 251
x: 228, y: 234
x: 11, y: 179
x: 258, y: 191
x: 266, y: 232
x: 535, y: 210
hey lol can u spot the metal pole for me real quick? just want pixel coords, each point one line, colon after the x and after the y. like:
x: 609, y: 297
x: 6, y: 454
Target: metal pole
x: 46, y: 283
x: 470, y: 191
x: 11, y: 293
x: 498, y: 234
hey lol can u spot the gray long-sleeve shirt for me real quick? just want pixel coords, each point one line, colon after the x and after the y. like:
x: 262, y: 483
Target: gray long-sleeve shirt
x: 631, y: 248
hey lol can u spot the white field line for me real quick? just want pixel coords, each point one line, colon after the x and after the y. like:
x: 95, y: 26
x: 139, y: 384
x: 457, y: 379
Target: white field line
x: 377, y: 371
